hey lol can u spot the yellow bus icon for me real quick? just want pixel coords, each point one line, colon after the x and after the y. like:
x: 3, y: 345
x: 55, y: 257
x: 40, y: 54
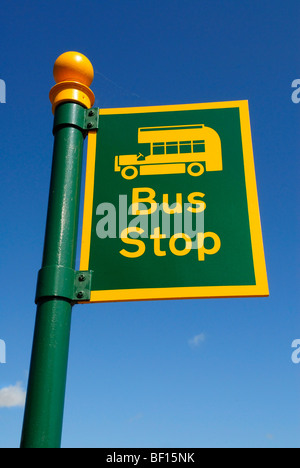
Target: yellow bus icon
x: 174, y: 150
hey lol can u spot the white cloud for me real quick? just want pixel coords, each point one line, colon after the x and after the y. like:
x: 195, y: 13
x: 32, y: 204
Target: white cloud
x: 12, y: 396
x: 197, y: 340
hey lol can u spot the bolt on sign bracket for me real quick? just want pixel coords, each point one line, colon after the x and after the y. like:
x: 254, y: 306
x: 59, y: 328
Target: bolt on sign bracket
x: 82, y: 286
x: 58, y: 281
x: 91, y: 119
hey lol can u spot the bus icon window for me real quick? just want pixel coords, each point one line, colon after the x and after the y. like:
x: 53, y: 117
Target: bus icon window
x: 174, y: 150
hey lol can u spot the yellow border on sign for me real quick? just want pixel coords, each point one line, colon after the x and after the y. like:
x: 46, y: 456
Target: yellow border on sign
x: 88, y: 201
x: 260, y: 289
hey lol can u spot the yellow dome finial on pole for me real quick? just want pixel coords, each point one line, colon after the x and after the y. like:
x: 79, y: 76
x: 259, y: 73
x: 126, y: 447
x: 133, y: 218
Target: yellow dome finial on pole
x: 73, y: 73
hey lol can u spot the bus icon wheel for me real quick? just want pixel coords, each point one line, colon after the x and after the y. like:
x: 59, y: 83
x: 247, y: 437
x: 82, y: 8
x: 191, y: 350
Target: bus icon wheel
x: 195, y: 169
x: 129, y: 172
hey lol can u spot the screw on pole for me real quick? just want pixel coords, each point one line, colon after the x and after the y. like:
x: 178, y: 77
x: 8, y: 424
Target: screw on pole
x: 71, y: 95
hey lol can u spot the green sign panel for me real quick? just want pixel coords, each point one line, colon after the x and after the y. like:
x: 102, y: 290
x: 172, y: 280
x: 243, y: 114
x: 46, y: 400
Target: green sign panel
x: 171, y: 208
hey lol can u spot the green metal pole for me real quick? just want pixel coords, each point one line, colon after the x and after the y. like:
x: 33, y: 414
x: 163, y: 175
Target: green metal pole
x: 70, y: 98
x: 47, y: 380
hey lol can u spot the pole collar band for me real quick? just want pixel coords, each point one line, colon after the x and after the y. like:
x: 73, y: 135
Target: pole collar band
x: 65, y: 283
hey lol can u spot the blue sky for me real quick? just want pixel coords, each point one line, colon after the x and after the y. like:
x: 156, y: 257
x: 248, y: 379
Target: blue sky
x: 135, y: 378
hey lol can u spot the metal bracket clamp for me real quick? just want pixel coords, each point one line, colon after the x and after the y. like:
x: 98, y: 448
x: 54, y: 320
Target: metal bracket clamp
x: 76, y: 116
x: 91, y: 119
x: 82, y: 286
x: 61, y: 282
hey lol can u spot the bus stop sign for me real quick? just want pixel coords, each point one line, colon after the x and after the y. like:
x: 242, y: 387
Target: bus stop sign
x: 171, y: 208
